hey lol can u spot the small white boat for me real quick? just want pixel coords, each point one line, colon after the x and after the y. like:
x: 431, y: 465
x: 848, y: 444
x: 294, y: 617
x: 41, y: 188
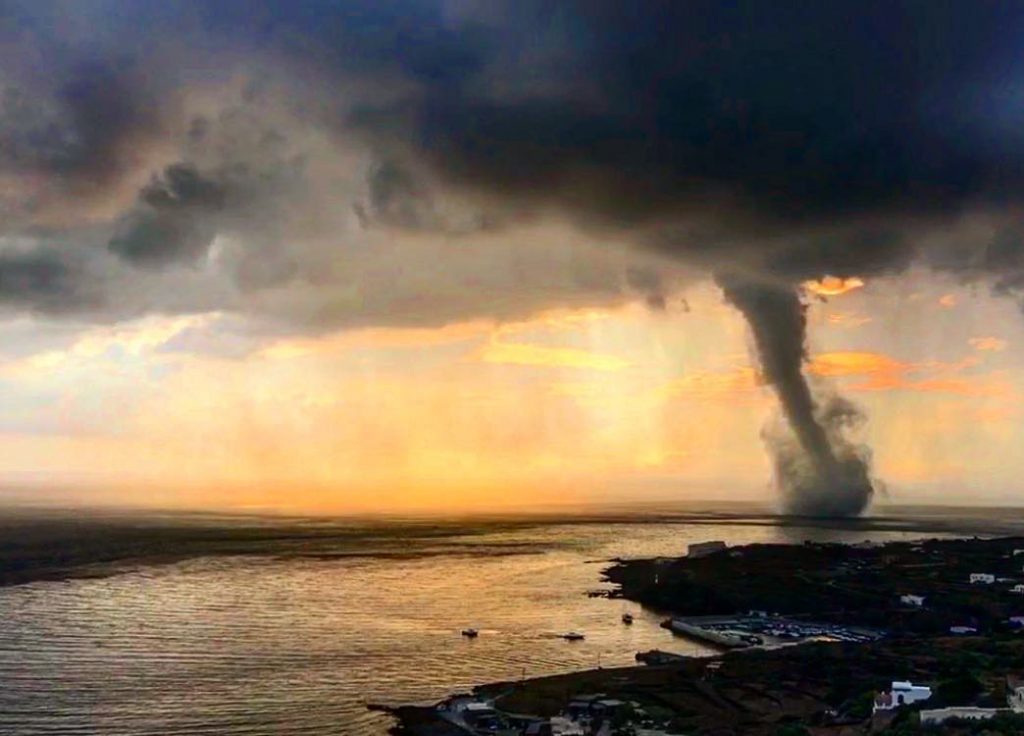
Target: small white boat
x: 470, y: 633
x: 627, y: 618
x: 573, y: 636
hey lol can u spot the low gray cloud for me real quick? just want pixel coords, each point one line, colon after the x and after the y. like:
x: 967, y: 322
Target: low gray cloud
x: 174, y: 221
x: 78, y: 129
x: 43, y: 282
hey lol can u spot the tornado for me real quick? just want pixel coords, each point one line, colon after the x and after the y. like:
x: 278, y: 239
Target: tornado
x: 818, y: 469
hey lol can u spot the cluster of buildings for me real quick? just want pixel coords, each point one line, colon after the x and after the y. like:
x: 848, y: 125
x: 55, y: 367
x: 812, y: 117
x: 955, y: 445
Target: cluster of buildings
x: 585, y: 715
x: 975, y: 578
x: 986, y: 578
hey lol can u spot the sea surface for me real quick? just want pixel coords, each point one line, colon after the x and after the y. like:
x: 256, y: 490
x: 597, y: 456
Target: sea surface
x: 299, y: 628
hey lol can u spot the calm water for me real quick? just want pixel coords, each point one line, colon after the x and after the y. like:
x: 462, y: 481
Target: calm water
x: 294, y: 644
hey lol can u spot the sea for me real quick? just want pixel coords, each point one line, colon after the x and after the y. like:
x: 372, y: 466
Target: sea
x: 129, y: 624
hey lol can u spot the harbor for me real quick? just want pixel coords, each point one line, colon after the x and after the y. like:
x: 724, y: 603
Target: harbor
x: 763, y: 629
x: 858, y: 669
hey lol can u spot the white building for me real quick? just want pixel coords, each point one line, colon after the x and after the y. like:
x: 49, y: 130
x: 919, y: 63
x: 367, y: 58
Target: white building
x: 1018, y: 589
x: 983, y: 578
x: 1016, y: 699
x: 902, y: 693
x: 963, y: 630
x: 562, y: 726
x: 937, y: 716
x: 912, y: 600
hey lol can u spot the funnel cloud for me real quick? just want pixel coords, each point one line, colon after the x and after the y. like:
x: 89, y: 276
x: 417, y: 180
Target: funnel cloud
x: 818, y: 472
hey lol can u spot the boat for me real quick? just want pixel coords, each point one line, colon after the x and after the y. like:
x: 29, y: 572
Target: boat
x: 627, y: 618
x: 470, y: 633
x: 573, y: 636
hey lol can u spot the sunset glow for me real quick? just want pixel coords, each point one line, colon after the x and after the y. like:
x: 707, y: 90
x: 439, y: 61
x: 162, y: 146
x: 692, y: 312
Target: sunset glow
x: 833, y: 285
x: 458, y: 415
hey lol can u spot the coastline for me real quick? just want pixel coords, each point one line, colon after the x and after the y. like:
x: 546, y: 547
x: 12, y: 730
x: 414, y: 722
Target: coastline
x: 108, y: 543
x: 826, y: 685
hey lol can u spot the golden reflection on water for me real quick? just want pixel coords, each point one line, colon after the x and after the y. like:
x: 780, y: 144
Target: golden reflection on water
x: 299, y: 645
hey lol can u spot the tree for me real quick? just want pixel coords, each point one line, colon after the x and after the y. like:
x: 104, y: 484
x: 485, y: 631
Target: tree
x: 960, y: 690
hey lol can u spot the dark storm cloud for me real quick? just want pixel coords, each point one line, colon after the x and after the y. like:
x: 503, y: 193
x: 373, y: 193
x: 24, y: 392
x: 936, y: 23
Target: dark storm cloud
x: 802, y: 108
x: 43, y: 282
x: 799, y: 109
x: 237, y: 177
x: 78, y: 133
x: 174, y: 220
x: 766, y: 117
x: 805, y: 138
x: 394, y: 197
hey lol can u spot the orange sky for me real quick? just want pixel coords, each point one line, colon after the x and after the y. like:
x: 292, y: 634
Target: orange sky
x: 571, y: 405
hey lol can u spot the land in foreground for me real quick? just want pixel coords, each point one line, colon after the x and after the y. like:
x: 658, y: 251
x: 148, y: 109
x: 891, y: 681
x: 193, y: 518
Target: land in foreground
x: 948, y: 610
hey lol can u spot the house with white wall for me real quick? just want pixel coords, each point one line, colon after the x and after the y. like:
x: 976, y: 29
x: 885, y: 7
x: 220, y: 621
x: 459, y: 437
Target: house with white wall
x: 970, y: 713
x: 1015, y: 699
x: 902, y: 693
x: 982, y: 578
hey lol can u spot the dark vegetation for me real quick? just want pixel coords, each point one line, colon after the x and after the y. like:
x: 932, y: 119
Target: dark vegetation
x: 841, y: 583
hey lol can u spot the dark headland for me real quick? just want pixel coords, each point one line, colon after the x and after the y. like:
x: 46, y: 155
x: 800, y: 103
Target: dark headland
x: 942, y: 614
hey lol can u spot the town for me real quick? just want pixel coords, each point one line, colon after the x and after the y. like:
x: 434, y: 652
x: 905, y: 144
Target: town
x: 816, y: 639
